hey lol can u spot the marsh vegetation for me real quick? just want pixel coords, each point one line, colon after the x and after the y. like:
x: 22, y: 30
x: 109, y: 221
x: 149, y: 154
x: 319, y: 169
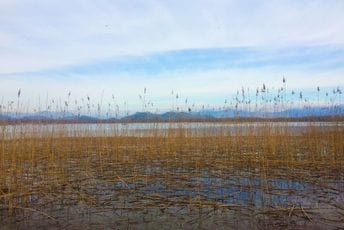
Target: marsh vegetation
x: 228, y: 174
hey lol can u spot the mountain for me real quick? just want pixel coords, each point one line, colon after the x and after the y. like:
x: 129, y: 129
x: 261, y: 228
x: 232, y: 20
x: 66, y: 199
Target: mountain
x: 46, y: 115
x: 227, y: 113
x: 4, y: 117
x: 311, y: 111
x: 180, y: 116
x: 141, y: 116
x: 55, y: 115
x: 184, y: 116
x: 288, y: 113
x: 79, y: 118
x: 34, y: 117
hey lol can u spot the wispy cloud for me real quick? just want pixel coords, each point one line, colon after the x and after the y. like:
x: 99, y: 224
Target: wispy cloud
x: 308, y: 58
x: 44, y: 34
x: 198, y: 48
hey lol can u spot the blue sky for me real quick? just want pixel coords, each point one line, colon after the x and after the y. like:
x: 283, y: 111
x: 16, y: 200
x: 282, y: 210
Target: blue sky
x: 203, y: 50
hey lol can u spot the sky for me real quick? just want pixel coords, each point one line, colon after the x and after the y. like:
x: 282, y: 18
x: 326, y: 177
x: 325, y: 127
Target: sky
x: 204, y: 51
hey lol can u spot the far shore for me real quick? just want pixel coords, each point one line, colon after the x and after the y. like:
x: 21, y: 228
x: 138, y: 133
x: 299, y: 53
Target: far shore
x: 337, y: 118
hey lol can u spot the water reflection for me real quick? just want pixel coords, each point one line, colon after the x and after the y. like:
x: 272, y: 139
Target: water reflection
x: 155, y: 129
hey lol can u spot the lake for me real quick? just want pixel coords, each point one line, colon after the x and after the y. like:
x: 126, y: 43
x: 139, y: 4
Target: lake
x: 157, y: 129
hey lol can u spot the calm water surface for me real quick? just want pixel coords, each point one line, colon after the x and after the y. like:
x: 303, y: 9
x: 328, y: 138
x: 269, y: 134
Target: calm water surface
x: 153, y: 129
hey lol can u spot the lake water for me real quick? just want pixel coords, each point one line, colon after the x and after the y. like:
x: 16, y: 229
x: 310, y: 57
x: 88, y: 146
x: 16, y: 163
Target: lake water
x: 158, y: 129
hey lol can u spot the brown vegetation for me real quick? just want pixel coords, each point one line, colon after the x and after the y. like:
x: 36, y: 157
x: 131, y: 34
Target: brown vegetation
x: 251, y: 177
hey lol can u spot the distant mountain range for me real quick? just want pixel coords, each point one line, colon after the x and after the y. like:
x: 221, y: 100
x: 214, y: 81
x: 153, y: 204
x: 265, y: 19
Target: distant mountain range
x: 180, y: 116
x: 289, y: 113
x: 142, y: 116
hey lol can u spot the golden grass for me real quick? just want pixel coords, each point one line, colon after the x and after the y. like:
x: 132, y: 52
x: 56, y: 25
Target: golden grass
x: 258, y: 172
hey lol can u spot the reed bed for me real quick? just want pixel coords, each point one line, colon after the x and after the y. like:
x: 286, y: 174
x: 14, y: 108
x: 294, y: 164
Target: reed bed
x: 270, y: 175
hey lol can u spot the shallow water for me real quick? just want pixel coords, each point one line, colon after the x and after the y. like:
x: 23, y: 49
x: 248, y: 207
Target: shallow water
x: 156, y: 129
x: 149, y: 193
x: 180, y: 203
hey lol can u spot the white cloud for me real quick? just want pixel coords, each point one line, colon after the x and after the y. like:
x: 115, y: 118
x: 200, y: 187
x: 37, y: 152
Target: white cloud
x: 42, y: 34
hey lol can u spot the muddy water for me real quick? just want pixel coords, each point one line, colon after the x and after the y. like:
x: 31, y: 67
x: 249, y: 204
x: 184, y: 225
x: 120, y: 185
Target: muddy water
x: 155, y: 196
x: 228, y: 198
